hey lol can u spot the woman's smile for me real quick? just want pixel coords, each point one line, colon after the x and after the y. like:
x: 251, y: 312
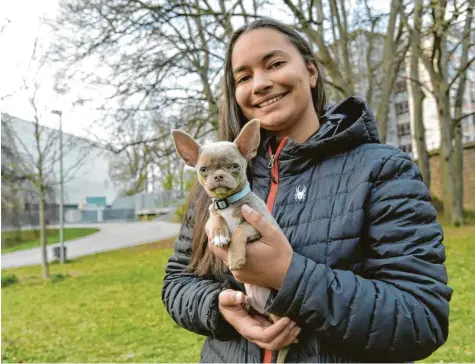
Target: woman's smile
x: 270, y: 101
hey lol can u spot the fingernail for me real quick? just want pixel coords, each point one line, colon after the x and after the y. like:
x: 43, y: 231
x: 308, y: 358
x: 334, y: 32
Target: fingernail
x: 239, y: 296
x: 246, y: 209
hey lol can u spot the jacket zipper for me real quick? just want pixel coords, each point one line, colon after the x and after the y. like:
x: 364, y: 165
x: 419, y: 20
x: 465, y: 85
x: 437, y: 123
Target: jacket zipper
x: 274, y: 167
x: 274, y: 186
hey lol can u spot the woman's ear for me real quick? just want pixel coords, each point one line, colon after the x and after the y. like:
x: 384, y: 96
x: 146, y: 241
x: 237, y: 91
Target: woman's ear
x: 313, y: 73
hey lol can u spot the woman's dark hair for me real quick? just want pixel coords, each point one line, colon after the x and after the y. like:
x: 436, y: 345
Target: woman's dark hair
x: 231, y: 120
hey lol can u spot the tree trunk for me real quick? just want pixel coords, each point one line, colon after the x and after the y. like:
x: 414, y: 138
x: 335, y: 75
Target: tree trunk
x: 457, y: 123
x: 44, y: 257
x: 389, y: 73
x: 458, y: 174
x: 418, y: 96
x: 447, y: 168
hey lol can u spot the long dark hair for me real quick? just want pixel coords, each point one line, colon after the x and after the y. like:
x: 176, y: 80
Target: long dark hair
x: 231, y: 120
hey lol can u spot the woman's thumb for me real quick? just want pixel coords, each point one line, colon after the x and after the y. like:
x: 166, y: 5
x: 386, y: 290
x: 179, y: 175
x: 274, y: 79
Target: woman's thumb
x: 230, y: 297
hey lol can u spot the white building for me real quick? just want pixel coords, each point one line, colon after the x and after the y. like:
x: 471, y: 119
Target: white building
x: 85, y: 165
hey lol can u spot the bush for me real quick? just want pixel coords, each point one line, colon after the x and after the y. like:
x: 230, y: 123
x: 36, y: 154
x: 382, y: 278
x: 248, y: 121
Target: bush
x: 57, y: 278
x: 9, y: 279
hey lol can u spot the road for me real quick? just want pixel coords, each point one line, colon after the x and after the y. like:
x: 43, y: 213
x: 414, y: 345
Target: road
x: 112, y: 236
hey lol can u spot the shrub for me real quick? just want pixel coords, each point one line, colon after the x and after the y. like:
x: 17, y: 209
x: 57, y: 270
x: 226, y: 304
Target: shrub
x: 8, y: 279
x: 57, y: 278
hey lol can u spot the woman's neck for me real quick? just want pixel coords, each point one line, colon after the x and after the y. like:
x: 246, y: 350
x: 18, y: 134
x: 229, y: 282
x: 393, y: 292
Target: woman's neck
x: 299, y: 132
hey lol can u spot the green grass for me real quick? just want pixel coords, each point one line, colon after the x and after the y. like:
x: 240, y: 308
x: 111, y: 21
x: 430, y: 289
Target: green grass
x: 460, y: 250
x: 27, y: 239
x: 108, y: 309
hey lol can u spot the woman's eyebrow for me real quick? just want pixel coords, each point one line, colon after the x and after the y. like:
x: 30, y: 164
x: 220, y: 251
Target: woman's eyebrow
x: 265, y: 57
x: 275, y: 52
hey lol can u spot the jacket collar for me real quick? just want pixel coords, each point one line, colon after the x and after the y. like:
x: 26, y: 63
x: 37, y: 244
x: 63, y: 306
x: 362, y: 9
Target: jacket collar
x: 343, y: 127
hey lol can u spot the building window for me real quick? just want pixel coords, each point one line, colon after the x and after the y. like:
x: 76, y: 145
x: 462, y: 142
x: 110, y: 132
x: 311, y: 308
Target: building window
x: 403, y: 129
x: 402, y: 107
x: 401, y: 86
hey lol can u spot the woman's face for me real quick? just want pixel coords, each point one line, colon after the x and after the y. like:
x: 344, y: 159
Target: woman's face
x: 272, y: 81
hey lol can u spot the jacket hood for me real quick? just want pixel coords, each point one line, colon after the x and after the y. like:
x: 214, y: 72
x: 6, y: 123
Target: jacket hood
x: 343, y: 127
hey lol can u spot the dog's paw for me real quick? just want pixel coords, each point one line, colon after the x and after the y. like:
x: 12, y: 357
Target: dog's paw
x: 220, y: 238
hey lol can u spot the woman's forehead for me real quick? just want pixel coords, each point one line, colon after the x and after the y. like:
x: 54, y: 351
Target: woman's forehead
x: 258, y: 44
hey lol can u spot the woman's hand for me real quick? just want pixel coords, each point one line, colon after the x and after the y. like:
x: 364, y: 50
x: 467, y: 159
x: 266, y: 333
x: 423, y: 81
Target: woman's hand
x: 268, y: 259
x: 256, y: 329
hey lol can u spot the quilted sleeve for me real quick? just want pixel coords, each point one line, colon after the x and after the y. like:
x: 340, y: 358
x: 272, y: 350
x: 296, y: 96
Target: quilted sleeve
x: 398, y: 309
x: 192, y: 301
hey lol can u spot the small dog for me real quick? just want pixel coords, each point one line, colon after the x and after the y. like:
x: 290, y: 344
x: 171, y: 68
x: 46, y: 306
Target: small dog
x: 221, y: 170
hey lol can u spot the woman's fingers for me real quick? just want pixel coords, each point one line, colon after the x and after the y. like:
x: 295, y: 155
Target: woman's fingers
x: 287, y: 337
x: 265, y: 334
x: 258, y: 221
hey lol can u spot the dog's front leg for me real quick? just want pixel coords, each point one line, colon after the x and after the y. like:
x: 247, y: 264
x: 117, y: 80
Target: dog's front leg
x: 243, y: 234
x: 217, y: 229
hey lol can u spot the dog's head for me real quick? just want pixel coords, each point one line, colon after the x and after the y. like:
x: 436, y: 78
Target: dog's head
x: 221, y: 166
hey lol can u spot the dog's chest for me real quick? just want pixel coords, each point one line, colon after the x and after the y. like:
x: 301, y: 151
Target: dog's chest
x: 232, y: 217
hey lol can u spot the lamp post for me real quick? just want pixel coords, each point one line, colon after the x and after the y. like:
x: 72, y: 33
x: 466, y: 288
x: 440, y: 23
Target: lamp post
x: 61, y: 205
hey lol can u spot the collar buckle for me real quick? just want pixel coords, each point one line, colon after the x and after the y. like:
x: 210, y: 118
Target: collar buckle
x: 221, y: 204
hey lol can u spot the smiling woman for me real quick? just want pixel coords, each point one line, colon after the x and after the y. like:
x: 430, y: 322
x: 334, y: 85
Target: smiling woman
x: 364, y: 279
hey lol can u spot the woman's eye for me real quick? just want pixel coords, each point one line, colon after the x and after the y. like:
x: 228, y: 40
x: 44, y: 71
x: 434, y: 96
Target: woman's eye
x: 243, y: 79
x: 277, y: 64
x: 203, y: 169
x: 235, y: 166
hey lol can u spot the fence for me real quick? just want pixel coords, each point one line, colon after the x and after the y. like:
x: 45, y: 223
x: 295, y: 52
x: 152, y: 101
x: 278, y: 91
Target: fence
x: 30, y: 218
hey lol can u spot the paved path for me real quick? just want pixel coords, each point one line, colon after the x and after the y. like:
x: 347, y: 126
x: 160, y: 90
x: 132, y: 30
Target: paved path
x: 111, y: 236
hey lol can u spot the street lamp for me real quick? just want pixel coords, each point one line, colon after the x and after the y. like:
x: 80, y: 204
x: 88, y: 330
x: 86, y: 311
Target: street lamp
x: 61, y: 205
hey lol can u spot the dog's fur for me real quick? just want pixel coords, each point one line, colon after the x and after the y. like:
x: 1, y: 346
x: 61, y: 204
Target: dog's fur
x: 221, y: 170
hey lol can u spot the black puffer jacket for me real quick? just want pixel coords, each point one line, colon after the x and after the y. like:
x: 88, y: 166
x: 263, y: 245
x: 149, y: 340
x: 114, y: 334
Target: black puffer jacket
x: 367, y: 280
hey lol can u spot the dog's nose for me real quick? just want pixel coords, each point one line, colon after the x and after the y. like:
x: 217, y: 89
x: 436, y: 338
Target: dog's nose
x: 218, y: 177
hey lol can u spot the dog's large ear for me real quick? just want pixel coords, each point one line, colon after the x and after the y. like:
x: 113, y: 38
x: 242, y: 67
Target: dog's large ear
x: 249, y: 138
x: 187, y: 148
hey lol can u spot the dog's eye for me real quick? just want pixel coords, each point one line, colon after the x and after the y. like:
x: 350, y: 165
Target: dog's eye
x: 235, y: 166
x: 203, y: 169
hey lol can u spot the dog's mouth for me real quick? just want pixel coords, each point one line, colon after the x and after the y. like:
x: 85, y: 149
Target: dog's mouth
x: 220, y: 191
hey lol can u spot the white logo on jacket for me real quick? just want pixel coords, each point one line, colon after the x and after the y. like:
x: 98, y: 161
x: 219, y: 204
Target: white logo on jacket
x: 300, y: 193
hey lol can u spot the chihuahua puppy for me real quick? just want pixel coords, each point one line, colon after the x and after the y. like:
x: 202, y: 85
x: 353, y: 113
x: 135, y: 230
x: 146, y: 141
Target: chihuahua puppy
x: 221, y: 170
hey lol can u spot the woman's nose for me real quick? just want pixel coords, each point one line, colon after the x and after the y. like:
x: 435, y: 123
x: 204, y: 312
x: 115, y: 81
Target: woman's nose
x: 261, y: 83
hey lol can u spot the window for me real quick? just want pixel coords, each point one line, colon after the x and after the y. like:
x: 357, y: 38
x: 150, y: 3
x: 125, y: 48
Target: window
x: 401, y: 86
x: 403, y: 129
x: 402, y: 107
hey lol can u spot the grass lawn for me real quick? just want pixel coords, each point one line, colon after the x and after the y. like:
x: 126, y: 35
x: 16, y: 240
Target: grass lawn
x: 108, y: 309
x: 27, y: 239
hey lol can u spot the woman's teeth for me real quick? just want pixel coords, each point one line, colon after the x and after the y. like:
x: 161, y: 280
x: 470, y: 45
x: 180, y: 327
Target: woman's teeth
x: 271, y: 101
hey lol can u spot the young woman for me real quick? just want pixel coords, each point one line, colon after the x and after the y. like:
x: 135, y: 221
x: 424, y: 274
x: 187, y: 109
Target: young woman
x: 356, y: 270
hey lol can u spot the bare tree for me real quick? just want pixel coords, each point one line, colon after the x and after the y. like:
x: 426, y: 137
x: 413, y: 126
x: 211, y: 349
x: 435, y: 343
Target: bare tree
x: 392, y: 61
x: 35, y: 148
x: 458, y: 110
x: 417, y: 89
x: 442, y: 41
x: 150, y: 56
x: 436, y: 60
